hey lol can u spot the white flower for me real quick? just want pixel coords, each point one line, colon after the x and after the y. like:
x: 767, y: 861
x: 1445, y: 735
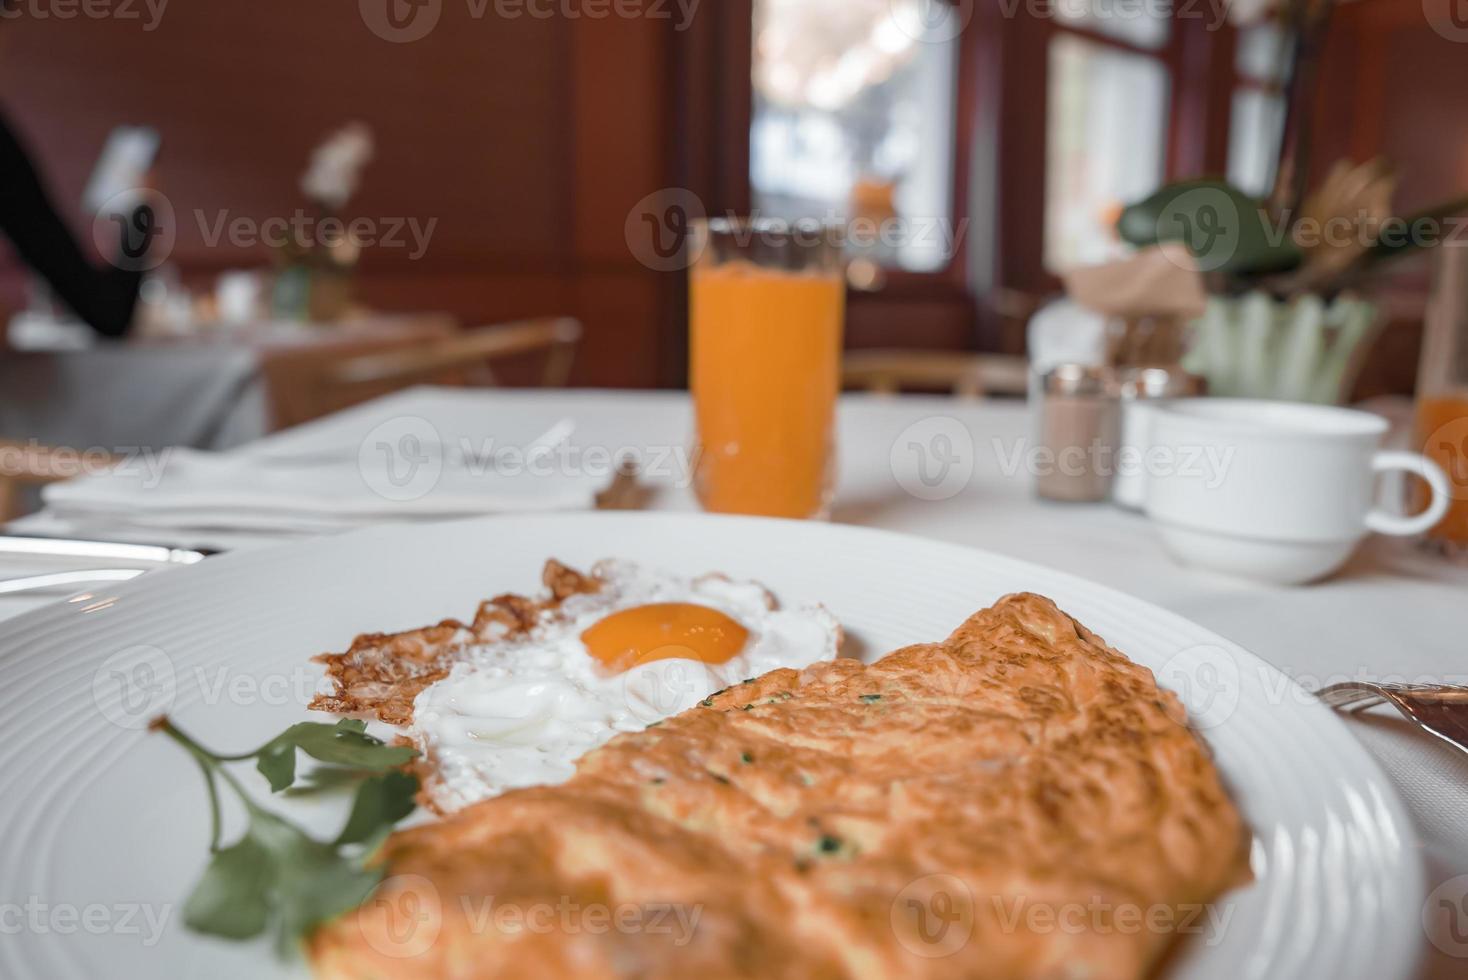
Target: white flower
x: 336, y: 166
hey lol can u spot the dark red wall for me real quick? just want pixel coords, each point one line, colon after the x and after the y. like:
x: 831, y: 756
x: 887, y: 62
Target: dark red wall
x: 527, y: 139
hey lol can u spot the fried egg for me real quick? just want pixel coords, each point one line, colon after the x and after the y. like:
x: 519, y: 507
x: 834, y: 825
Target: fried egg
x: 648, y: 644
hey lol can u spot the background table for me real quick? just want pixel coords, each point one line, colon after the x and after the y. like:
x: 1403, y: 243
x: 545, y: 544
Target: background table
x: 1393, y: 612
x: 214, y: 389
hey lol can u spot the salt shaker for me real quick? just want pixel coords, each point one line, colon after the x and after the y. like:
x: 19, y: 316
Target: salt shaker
x: 1137, y: 386
x: 1077, y: 426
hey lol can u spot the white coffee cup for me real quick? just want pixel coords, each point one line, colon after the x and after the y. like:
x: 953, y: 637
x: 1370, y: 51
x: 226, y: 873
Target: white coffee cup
x: 1277, y: 491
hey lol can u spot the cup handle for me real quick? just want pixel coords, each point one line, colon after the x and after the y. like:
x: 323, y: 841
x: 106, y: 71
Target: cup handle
x: 1398, y: 525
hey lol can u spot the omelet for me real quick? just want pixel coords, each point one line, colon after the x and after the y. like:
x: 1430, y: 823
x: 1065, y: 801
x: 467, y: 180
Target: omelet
x: 1017, y: 801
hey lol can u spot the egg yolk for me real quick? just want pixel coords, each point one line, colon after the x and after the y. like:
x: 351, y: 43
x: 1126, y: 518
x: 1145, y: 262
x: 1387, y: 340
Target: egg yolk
x: 664, y: 631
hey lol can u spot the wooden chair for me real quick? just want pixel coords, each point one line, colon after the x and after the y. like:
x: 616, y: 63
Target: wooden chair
x: 964, y: 374
x: 464, y: 359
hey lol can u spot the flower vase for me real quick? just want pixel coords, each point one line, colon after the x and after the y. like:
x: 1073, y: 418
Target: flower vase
x: 1303, y: 349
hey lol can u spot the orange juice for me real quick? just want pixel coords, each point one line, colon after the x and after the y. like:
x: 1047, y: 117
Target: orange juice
x: 765, y: 347
x: 1442, y: 436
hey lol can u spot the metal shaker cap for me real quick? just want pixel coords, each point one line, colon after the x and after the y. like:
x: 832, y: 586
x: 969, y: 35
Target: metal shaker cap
x: 1159, y: 382
x: 1079, y: 380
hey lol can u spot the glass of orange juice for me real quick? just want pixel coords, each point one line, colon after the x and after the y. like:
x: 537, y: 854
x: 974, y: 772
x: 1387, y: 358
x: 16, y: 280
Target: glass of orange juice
x: 766, y: 308
x: 1442, y: 393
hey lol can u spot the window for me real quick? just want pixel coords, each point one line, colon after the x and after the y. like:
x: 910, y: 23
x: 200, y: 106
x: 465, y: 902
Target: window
x: 1106, y: 124
x: 854, y: 119
x: 1025, y: 126
x: 1258, y: 116
x: 1105, y: 133
x: 1142, y: 25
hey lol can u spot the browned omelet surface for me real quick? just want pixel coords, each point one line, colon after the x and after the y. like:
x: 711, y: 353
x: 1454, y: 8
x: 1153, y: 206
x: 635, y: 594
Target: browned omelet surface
x: 996, y: 805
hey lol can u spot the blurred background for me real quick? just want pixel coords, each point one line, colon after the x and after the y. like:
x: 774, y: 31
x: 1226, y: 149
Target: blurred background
x: 519, y: 157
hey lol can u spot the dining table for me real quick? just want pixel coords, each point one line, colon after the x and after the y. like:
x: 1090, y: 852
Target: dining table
x: 211, y: 386
x: 963, y: 471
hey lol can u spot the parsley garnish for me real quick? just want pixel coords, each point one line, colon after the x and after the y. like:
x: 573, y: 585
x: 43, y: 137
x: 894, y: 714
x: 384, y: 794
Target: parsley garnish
x: 831, y: 845
x: 276, y: 876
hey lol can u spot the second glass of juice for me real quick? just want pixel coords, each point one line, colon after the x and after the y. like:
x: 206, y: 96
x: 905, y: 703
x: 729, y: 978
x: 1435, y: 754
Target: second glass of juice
x: 767, y: 304
x: 1442, y: 395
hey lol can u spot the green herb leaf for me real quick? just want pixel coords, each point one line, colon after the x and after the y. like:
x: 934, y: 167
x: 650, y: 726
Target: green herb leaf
x: 277, y: 763
x: 311, y: 882
x: 232, y: 899
x: 277, y: 877
x: 381, y: 802
x: 348, y: 744
x: 324, y: 779
x: 344, y: 744
x: 317, y: 888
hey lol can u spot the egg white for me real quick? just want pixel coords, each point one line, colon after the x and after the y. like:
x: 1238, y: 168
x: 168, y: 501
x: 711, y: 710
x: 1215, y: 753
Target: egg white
x: 521, y: 712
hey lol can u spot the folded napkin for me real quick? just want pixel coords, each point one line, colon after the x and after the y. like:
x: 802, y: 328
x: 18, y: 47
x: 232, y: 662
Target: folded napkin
x: 191, y: 489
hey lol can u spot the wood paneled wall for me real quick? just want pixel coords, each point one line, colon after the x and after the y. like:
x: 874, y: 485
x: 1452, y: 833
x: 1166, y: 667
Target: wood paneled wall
x: 1393, y: 86
x: 526, y: 139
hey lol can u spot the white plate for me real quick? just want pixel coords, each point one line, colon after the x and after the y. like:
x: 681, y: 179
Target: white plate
x: 105, y: 827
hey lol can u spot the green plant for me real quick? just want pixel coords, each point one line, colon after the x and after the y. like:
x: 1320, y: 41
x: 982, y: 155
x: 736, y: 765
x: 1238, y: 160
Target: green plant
x: 277, y: 877
x: 1325, y: 242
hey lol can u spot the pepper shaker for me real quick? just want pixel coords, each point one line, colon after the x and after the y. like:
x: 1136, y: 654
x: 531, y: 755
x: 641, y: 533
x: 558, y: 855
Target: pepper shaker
x: 1077, y: 429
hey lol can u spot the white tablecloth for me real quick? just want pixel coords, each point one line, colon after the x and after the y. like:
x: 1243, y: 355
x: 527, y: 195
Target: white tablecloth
x: 1393, y: 612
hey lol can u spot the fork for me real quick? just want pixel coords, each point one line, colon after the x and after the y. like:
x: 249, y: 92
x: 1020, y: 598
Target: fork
x: 1440, y: 710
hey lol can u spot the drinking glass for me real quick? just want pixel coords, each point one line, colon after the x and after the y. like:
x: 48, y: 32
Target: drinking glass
x: 1442, y: 393
x: 766, y: 310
